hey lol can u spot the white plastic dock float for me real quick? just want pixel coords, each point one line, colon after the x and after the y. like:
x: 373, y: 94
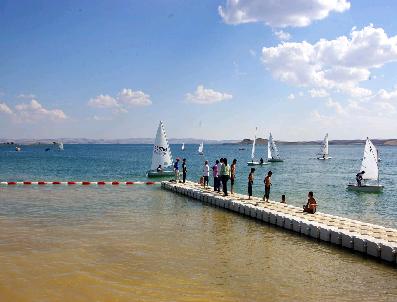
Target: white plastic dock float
x: 369, y: 239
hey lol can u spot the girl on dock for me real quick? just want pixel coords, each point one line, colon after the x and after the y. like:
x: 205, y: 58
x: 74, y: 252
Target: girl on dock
x: 250, y: 182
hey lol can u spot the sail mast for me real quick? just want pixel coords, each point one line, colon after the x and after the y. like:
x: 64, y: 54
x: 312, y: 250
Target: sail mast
x: 253, y: 145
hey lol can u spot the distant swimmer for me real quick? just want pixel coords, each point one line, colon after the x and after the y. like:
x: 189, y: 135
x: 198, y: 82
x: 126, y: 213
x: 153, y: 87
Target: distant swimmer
x: 47, y: 149
x: 359, y: 178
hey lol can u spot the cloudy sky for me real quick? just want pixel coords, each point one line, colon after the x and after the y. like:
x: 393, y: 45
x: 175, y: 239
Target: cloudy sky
x: 209, y: 69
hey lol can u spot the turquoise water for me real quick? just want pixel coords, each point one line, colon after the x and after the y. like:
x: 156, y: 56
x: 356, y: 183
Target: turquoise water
x: 296, y: 176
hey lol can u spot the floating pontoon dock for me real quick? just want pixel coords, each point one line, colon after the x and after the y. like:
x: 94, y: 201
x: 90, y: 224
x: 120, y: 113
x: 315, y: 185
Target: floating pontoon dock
x: 366, y: 238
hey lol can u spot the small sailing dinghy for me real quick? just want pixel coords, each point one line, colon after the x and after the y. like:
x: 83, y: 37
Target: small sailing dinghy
x: 183, y: 147
x: 323, y: 154
x: 272, y: 151
x: 253, y: 162
x: 201, y: 149
x: 161, y: 155
x: 370, y: 166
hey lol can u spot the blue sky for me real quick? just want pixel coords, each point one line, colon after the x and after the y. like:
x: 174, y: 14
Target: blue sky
x: 113, y: 69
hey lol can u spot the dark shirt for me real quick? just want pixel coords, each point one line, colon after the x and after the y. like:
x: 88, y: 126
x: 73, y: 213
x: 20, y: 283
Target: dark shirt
x: 176, y: 165
x: 184, y: 168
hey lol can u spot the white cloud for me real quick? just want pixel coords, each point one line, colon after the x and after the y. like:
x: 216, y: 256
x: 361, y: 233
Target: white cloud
x: 206, y: 96
x: 34, y: 111
x: 26, y: 96
x: 5, y: 109
x: 336, y: 106
x: 318, y: 93
x: 281, y: 13
x: 339, y: 65
x: 133, y: 98
x: 282, y: 35
x: 103, y: 101
x: 126, y: 98
x: 291, y: 97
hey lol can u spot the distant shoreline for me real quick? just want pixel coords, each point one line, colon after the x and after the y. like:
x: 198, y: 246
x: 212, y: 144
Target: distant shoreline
x: 149, y: 141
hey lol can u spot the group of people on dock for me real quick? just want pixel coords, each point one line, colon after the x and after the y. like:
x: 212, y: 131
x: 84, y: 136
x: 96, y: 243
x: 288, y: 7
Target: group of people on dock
x: 222, y: 173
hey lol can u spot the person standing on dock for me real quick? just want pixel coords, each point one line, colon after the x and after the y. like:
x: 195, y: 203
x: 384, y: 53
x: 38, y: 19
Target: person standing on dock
x: 176, y: 169
x: 184, y: 170
x: 250, y: 182
x: 268, y: 183
x: 206, y: 174
x: 225, y: 175
x: 220, y: 166
x: 232, y: 175
x: 215, y: 174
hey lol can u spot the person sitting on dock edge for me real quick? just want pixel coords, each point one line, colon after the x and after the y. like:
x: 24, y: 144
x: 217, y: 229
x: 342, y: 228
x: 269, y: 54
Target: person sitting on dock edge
x: 311, y: 205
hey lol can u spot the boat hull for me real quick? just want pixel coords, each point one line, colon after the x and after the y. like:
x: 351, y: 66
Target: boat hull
x: 255, y: 163
x: 155, y: 174
x: 365, y: 188
x: 274, y: 160
x: 322, y: 158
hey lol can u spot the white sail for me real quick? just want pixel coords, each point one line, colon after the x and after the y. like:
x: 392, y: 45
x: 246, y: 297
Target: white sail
x: 253, y: 145
x: 183, y: 147
x: 60, y: 146
x: 272, y: 151
x: 324, y: 147
x: 161, y: 149
x: 201, y: 148
x: 370, y: 161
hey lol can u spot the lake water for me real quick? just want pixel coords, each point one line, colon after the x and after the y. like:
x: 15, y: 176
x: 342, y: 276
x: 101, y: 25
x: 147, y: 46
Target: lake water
x: 140, y: 243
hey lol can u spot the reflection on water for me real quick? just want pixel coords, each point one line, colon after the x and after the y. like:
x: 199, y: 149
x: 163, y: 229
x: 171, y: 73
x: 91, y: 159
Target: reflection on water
x: 144, y: 244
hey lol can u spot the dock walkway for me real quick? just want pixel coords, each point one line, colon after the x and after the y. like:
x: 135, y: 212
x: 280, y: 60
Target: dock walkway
x: 370, y: 239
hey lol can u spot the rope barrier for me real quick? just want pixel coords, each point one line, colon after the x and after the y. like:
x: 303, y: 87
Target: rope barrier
x: 83, y: 183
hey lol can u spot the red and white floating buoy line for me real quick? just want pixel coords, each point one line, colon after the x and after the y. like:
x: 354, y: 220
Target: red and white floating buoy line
x: 82, y: 183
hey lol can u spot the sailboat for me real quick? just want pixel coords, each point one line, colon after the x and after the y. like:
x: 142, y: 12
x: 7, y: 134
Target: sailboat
x: 252, y: 162
x: 58, y: 145
x: 272, y: 151
x: 323, y: 154
x: 201, y: 149
x: 161, y: 155
x: 370, y: 166
x: 183, y: 147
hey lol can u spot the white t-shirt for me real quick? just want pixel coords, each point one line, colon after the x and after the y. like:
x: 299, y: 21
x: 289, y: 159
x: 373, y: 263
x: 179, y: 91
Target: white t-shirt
x: 206, y: 170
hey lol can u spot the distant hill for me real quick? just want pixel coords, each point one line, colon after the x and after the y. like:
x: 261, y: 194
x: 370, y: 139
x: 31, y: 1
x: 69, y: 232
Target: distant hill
x: 246, y: 141
x: 378, y: 142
